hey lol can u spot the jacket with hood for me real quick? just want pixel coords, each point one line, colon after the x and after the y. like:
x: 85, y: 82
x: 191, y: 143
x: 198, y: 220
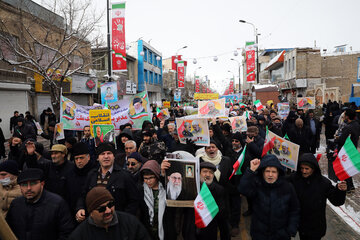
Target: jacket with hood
x: 312, y: 193
x: 124, y: 133
x: 25, y: 131
x: 275, y: 206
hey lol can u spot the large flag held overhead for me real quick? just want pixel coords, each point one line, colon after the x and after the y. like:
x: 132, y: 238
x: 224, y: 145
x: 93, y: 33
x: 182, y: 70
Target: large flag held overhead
x: 269, y: 143
x: 258, y: 105
x: 347, y: 162
x: 238, y: 164
x: 205, y: 207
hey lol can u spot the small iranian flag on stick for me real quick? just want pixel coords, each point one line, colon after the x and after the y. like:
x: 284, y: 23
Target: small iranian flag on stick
x: 347, y: 162
x: 269, y: 143
x: 205, y: 207
x: 238, y: 164
x: 258, y: 105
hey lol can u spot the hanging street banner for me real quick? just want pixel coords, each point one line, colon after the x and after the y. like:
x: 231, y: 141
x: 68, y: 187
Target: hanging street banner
x: 250, y: 61
x: 118, y: 44
x: 195, y: 129
x: 109, y: 92
x: 212, y: 108
x: 177, y: 95
x: 206, y: 96
x: 99, y: 116
x: 231, y: 86
x: 238, y: 124
x: 103, y: 133
x: 197, y: 84
x: 181, y: 74
x: 134, y: 110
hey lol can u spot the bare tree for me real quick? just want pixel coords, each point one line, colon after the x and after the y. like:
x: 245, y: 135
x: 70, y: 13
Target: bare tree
x: 53, y: 42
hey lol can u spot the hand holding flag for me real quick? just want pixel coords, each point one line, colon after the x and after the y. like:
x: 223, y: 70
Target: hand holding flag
x: 205, y: 207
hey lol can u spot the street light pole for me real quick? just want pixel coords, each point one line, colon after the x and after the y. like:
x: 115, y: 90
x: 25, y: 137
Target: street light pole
x: 239, y: 72
x: 257, y: 48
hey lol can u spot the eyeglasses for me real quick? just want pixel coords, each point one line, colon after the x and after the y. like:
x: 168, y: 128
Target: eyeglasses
x: 130, y: 163
x: 148, y: 178
x: 25, y: 184
x: 103, y: 208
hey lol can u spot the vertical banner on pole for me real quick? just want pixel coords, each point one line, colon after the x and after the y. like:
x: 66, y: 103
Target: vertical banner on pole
x: 118, y: 44
x: 197, y: 84
x: 231, y: 86
x: 250, y: 61
x: 181, y: 74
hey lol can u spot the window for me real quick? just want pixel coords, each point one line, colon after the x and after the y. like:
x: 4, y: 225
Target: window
x: 156, y: 78
x: 145, y: 54
x: 293, y: 64
x: 146, y: 76
x: 155, y: 62
x: 151, y: 77
x: 150, y: 57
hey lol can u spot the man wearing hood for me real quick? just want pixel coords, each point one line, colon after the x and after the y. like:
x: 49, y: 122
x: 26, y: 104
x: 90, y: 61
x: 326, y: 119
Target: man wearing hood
x: 23, y: 130
x: 152, y: 149
x: 134, y: 163
x: 313, y: 190
x: 123, y: 137
x: 275, y: 204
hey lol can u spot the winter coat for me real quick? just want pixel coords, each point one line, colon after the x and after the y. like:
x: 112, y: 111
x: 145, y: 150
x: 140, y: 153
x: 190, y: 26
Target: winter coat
x: 125, y: 133
x: 312, y: 193
x: 13, y: 122
x: 127, y: 227
x: 221, y: 219
x: 155, y: 150
x: 48, y: 218
x: 75, y: 182
x: 25, y: 131
x: 55, y: 176
x: 353, y: 129
x: 301, y: 136
x: 122, y: 187
x: 7, y: 195
x: 275, y: 206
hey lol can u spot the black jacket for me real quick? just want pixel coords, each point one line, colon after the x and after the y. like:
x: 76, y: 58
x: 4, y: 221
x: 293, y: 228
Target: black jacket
x: 353, y: 129
x: 55, y: 176
x: 301, y: 136
x: 275, y: 206
x: 48, y: 218
x: 128, y: 227
x: 122, y: 187
x: 312, y: 193
x: 24, y: 132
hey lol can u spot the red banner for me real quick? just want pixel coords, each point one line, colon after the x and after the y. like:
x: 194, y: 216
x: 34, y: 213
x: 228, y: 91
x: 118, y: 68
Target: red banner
x: 118, y: 37
x: 250, y: 77
x: 181, y: 74
x: 197, y: 85
x: 231, y: 87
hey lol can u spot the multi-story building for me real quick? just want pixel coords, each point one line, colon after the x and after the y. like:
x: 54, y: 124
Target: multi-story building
x: 149, y: 68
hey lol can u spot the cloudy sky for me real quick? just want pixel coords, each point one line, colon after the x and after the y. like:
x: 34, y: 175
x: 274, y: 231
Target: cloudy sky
x: 211, y: 28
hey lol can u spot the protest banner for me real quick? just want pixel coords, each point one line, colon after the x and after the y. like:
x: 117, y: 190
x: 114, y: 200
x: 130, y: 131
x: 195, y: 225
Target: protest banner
x: 238, y: 124
x: 196, y: 129
x: 59, y: 131
x: 283, y: 109
x: 306, y: 103
x: 99, y: 116
x: 212, y: 108
x: 235, y: 98
x: 206, y: 96
x: 181, y: 182
x: 166, y: 104
x: 109, y: 92
x: 104, y: 133
x: 38, y: 128
x: 133, y: 110
x: 286, y: 151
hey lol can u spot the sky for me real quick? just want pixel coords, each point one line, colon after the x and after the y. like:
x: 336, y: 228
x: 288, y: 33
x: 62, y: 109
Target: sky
x: 211, y: 28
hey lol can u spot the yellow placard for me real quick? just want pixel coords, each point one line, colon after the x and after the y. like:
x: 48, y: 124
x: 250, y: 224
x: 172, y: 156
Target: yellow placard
x: 99, y: 116
x: 166, y: 104
x: 206, y: 96
x: 270, y: 102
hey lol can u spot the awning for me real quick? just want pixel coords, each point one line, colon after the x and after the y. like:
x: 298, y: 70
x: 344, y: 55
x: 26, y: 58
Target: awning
x: 276, y: 62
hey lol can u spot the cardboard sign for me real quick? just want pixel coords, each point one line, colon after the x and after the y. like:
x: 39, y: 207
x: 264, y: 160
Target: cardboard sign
x: 212, y: 108
x: 104, y: 133
x: 195, y: 129
x: 166, y: 104
x: 306, y: 103
x: 59, y: 131
x: 238, y: 124
x: 101, y: 116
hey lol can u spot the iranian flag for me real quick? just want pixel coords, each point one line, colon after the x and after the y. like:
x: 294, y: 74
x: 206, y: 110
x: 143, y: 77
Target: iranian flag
x: 269, y: 143
x: 347, y: 162
x: 238, y: 164
x: 205, y: 207
x: 258, y: 105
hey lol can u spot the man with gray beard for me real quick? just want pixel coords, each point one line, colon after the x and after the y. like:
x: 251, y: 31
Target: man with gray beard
x: 174, y: 186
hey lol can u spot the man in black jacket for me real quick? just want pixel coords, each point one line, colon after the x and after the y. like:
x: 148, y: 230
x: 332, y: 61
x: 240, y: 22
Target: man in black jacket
x: 300, y: 135
x: 275, y: 204
x: 38, y: 214
x: 315, y: 129
x: 13, y: 121
x: 118, y: 181
x: 23, y: 130
x: 106, y: 223
x: 312, y: 191
x: 352, y: 129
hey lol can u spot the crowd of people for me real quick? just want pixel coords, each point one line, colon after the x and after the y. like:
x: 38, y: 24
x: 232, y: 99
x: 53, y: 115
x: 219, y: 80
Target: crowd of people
x: 74, y: 190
